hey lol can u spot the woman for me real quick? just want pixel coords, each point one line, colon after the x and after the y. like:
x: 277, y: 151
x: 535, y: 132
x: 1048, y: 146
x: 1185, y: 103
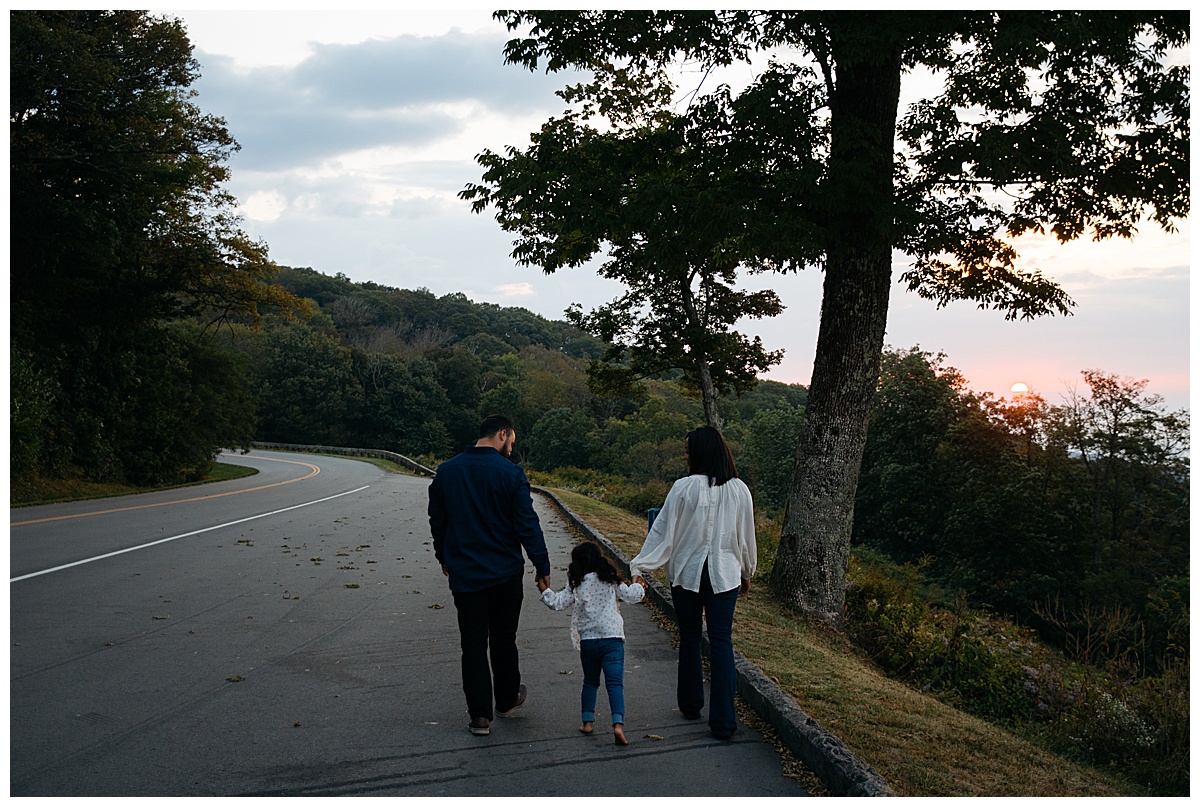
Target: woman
x: 704, y: 536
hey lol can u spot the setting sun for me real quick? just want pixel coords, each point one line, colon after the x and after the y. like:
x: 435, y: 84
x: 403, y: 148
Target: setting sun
x: 1018, y: 389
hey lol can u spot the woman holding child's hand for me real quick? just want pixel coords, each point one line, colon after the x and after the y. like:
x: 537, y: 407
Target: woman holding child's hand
x: 704, y: 536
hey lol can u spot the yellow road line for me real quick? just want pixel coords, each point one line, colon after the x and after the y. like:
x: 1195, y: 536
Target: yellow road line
x: 315, y: 471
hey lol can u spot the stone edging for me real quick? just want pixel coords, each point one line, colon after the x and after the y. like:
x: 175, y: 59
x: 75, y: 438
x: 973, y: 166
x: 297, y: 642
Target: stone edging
x: 824, y: 754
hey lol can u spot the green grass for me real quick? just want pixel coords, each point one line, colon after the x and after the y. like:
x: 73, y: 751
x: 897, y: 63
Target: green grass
x: 24, y: 493
x: 920, y: 745
x: 387, y: 465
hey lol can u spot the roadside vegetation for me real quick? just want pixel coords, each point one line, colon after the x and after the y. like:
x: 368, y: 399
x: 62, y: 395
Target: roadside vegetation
x: 921, y: 742
x: 25, y: 492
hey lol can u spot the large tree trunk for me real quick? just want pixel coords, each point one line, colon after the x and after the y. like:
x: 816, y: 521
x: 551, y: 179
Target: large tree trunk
x: 810, y: 565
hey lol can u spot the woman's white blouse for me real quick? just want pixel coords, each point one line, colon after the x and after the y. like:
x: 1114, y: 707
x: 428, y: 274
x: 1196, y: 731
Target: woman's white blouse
x: 597, y: 614
x: 699, y: 523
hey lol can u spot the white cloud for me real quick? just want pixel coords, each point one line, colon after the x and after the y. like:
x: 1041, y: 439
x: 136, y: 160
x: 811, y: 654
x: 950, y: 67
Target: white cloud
x: 1151, y: 253
x: 285, y: 37
x: 264, y: 206
x: 516, y: 290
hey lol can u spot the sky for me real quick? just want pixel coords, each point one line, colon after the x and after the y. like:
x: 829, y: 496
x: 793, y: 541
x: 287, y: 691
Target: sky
x: 359, y: 128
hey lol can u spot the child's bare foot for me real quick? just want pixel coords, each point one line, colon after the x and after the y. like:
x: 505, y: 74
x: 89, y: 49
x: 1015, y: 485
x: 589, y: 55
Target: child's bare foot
x: 619, y: 734
x: 586, y: 728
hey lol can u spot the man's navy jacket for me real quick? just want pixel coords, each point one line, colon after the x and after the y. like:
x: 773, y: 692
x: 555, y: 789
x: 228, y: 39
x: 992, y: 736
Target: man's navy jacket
x: 481, y: 515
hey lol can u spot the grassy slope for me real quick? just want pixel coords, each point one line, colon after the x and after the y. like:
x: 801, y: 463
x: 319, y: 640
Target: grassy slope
x: 921, y: 746
x: 25, y: 493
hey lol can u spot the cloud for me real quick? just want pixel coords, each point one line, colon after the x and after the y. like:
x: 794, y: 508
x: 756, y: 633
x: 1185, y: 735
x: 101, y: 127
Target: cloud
x: 264, y: 205
x: 403, y: 92
x: 413, y: 70
x: 516, y: 290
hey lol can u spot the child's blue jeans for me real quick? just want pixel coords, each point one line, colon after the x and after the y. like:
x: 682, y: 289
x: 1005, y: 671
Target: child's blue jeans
x: 607, y: 656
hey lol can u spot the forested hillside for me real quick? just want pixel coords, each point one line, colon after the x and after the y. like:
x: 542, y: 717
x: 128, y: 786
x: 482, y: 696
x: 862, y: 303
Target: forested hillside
x: 1072, y: 516
x: 407, y: 371
x: 982, y: 524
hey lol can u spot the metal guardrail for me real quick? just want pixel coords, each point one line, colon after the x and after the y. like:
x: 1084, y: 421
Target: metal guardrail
x: 392, y: 456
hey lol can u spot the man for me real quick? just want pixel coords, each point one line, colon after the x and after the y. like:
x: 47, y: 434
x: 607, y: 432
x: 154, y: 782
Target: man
x: 481, y: 515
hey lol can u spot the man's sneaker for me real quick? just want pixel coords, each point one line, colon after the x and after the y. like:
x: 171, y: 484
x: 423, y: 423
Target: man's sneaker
x: 522, y: 693
x: 480, y: 726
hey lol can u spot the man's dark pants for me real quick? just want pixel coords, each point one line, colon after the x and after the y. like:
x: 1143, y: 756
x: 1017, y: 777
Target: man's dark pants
x: 487, y: 624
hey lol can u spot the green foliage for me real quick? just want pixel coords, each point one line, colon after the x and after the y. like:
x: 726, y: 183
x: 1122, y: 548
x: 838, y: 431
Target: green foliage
x: 646, y: 195
x: 1163, y: 753
x: 1131, y: 496
x: 1071, y: 519
x: 32, y: 392
x: 312, y: 390
x: 769, y: 452
x: 307, y: 389
x: 1080, y: 507
x: 116, y: 191
x: 1168, y: 617
x: 987, y: 665
x: 647, y: 445
x: 563, y: 438
x: 404, y: 408
x: 971, y: 657
x: 1078, y: 115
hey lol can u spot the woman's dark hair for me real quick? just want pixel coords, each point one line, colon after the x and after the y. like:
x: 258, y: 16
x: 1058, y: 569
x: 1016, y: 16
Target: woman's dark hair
x: 586, y: 557
x: 709, y: 454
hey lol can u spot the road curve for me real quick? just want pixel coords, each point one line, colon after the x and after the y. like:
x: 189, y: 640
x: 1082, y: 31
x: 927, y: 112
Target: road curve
x: 291, y: 634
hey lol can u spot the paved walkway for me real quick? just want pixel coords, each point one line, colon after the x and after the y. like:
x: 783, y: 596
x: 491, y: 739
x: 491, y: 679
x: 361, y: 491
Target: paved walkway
x: 539, y: 751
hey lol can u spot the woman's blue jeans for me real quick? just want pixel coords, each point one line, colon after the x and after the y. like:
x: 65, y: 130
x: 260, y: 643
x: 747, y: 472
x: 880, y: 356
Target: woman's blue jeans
x: 715, y: 608
x: 607, y: 656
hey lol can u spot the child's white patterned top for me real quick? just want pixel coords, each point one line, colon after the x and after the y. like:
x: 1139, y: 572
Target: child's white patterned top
x: 597, y: 614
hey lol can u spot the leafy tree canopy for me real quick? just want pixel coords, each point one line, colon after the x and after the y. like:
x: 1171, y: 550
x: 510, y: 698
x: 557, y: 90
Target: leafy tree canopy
x: 1069, y: 122
x: 117, y: 179
x: 124, y: 226
x: 1065, y: 122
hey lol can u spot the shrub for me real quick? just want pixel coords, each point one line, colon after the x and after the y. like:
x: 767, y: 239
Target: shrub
x: 1161, y: 703
x: 989, y: 666
x: 608, y: 488
x: 766, y: 534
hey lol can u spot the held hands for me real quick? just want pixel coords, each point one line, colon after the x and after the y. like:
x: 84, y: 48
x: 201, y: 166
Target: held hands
x: 543, y: 583
x: 743, y: 590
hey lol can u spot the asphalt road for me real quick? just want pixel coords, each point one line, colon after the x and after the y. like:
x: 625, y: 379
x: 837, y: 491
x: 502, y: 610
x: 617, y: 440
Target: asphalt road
x: 290, y: 634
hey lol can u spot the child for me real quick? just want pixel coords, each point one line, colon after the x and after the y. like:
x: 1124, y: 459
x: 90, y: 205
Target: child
x: 597, y: 629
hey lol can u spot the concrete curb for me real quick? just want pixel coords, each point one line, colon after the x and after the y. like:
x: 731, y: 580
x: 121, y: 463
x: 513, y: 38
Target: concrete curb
x: 824, y: 754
